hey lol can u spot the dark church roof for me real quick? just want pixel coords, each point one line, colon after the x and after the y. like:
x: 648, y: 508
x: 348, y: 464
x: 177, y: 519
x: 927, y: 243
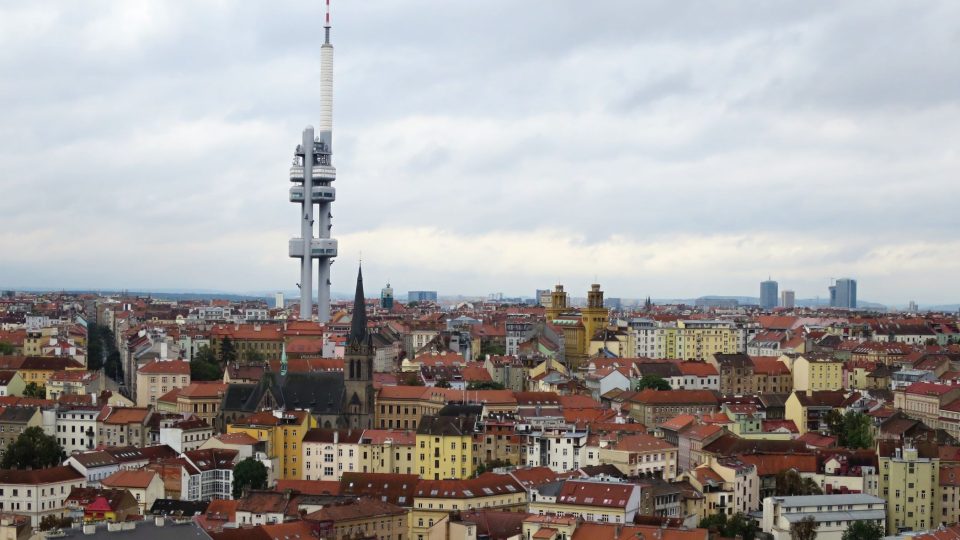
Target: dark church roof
x: 321, y: 392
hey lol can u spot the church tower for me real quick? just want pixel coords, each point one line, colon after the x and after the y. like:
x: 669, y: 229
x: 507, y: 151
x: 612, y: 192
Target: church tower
x: 595, y: 316
x: 558, y: 303
x: 358, y: 366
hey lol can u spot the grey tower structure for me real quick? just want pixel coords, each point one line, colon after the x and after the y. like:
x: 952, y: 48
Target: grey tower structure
x: 768, y: 294
x: 313, y: 174
x: 843, y: 293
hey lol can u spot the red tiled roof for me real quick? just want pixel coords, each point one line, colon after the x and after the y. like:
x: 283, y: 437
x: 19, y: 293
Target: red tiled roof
x: 658, y: 397
x: 310, y: 487
x: 236, y: 439
x: 697, y: 369
x: 929, y: 388
x: 679, y: 422
x: 139, y: 479
x: 577, y: 402
x: 601, y: 494
x: 396, y: 436
x: 611, y: 531
x: 165, y: 367
x: 475, y: 374
x: 123, y: 415
x: 642, y: 443
x: 485, y: 485
x: 203, y: 390
x: 816, y: 440
x: 769, y: 365
x: 771, y: 464
x: 40, y: 476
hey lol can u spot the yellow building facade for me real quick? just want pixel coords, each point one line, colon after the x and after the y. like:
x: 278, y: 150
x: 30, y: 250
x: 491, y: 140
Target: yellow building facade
x: 910, y: 484
x: 435, y: 500
x: 445, y: 447
x: 814, y: 372
x: 283, y: 432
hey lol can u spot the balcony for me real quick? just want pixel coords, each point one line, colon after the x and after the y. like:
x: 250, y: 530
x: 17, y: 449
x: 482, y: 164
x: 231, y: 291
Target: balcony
x: 322, y: 173
x: 321, y: 194
x: 319, y: 247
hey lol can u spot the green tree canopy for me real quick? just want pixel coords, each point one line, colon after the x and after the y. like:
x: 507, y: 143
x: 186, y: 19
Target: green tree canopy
x: 252, y: 356
x: 249, y: 473
x: 34, y: 390
x: 228, y: 352
x: 484, y: 385
x: 805, y: 529
x: 654, y: 382
x: 737, y: 525
x: 490, y: 465
x: 790, y: 483
x: 442, y: 383
x: 6, y: 348
x: 33, y: 449
x: 492, y: 348
x: 851, y: 429
x: 410, y: 378
x: 204, y: 366
x: 864, y: 530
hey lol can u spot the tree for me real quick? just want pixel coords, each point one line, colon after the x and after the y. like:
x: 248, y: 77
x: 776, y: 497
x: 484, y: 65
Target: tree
x: 228, y: 353
x: 490, y: 465
x: 856, y: 431
x: 204, y: 366
x: 410, y: 378
x: 789, y: 483
x: 654, y: 382
x: 742, y: 526
x: 805, y: 529
x: 6, y: 348
x: 252, y: 356
x: 714, y: 523
x: 864, y: 530
x: 834, y: 422
x: 102, y: 351
x: 484, y: 385
x: 737, y: 525
x: 442, y: 383
x: 34, y: 390
x: 33, y: 449
x: 852, y: 429
x: 492, y: 348
x: 249, y: 473
x: 55, y: 522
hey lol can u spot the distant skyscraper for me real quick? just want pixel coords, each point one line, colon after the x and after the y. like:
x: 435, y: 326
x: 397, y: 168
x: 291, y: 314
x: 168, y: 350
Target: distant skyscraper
x: 768, y: 294
x: 543, y: 297
x: 278, y: 300
x: 787, y: 299
x: 843, y: 293
x: 386, y: 297
x: 422, y: 296
x: 912, y: 307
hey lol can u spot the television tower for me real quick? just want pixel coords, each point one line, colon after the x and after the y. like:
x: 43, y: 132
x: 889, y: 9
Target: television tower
x: 313, y: 173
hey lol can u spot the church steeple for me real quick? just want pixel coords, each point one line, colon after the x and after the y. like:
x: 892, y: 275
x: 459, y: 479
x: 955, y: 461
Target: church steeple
x: 358, y: 366
x: 358, y: 324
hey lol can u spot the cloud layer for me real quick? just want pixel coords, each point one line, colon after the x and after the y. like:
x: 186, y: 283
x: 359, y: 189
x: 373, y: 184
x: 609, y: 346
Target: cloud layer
x: 665, y: 149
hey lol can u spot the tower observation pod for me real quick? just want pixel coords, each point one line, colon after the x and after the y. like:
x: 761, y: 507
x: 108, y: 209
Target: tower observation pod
x: 312, y: 173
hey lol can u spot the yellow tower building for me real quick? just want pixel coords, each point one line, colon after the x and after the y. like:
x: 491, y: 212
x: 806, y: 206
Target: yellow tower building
x: 558, y: 303
x: 594, y: 317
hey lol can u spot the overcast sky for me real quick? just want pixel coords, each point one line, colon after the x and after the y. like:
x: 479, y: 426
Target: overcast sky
x: 667, y: 148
